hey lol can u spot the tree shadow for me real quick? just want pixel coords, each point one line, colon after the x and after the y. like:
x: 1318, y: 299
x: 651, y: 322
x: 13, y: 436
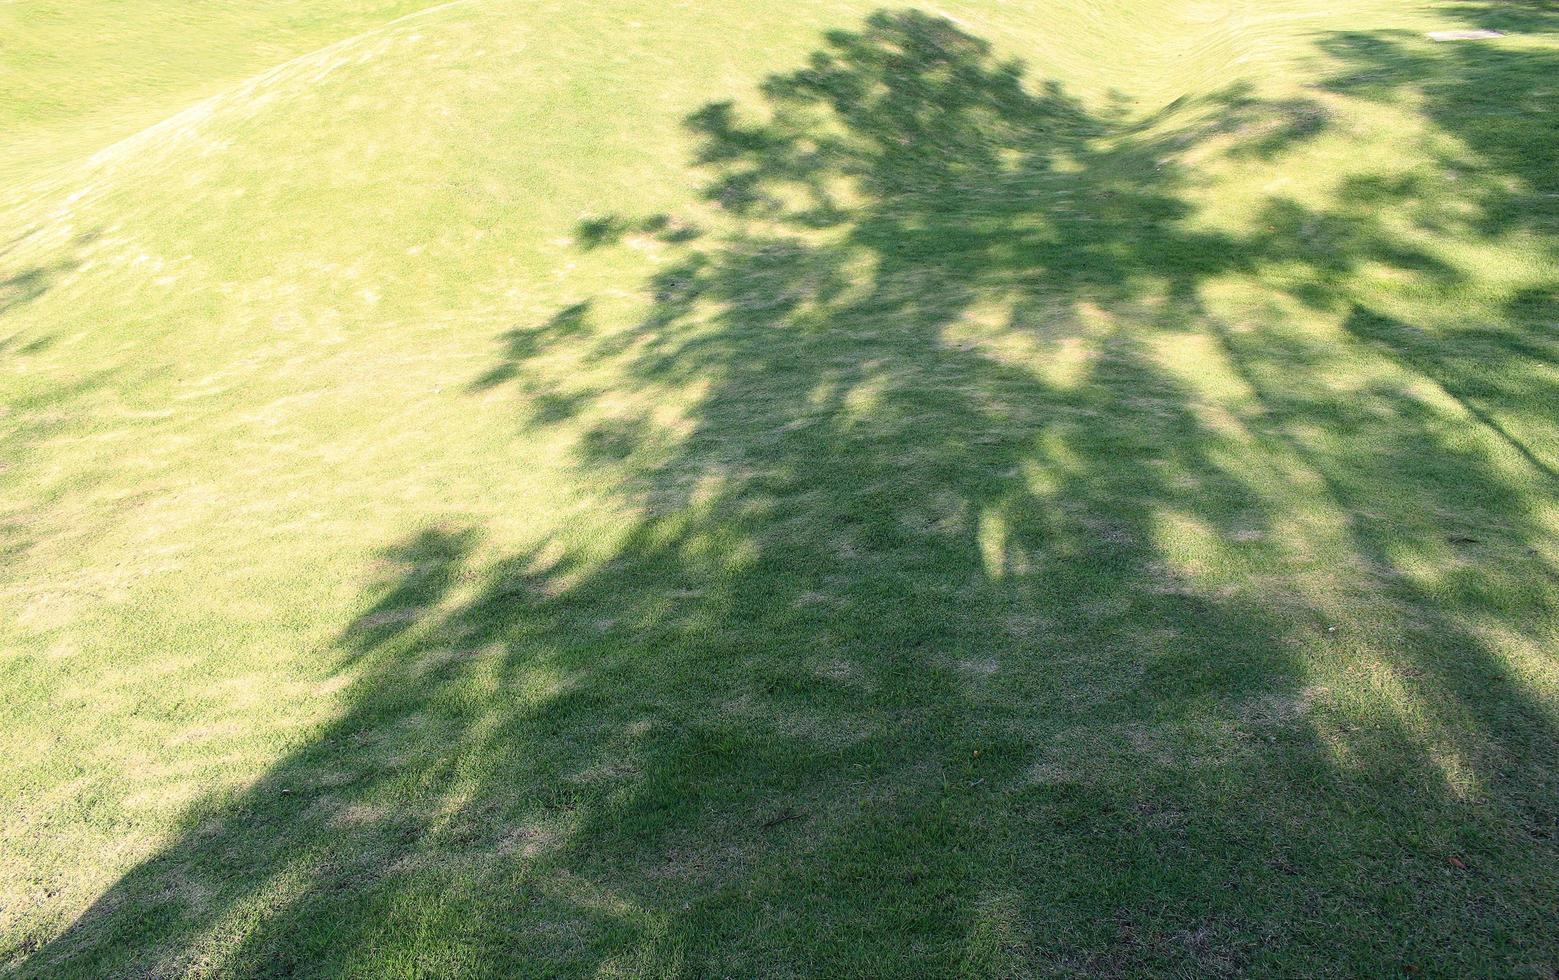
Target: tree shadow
x: 20, y: 287
x: 1490, y: 98
x: 1475, y: 371
x: 1511, y: 16
x: 956, y: 631
x: 1497, y: 163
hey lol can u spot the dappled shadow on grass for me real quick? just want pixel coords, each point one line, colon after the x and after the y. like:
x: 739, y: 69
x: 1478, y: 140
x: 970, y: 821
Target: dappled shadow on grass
x: 1493, y: 101
x: 1474, y: 370
x: 1515, y: 16
x: 23, y: 287
x: 22, y: 283
x: 961, y: 624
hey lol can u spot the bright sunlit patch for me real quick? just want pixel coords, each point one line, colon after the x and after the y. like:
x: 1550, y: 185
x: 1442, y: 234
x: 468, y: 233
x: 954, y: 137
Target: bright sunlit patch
x: 1189, y: 542
x: 992, y: 537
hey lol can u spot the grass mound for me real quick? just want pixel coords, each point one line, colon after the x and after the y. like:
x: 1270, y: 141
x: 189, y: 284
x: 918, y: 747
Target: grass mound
x: 641, y: 489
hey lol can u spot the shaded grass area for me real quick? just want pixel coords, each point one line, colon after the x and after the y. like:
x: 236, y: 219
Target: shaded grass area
x: 1036, y: 579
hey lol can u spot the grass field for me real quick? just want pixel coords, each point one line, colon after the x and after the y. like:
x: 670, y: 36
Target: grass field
x: 716, y: 488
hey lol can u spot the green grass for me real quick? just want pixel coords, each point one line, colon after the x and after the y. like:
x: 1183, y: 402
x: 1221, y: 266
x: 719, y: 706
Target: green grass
x: 732, y: 489
x: 76, y: 75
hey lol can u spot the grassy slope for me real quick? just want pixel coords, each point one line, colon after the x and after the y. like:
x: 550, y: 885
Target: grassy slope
x: 76, y: 76
x: 475, y: 502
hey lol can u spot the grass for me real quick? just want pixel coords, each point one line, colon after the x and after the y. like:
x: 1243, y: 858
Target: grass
x: 646, y: 489
x: 78, y: 75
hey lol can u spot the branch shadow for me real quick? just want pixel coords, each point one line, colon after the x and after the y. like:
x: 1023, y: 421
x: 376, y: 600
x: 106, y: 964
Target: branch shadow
x: 20, y: 287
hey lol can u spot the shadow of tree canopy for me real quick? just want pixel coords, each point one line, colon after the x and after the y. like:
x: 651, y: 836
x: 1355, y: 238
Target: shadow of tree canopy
x: 1516, y: 16
x: 22, y: 284
x: 960, y: 628
x: 1492, y: 100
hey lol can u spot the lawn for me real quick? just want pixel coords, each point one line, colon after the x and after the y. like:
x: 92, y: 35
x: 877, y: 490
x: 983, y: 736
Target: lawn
x: 714, y: 488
